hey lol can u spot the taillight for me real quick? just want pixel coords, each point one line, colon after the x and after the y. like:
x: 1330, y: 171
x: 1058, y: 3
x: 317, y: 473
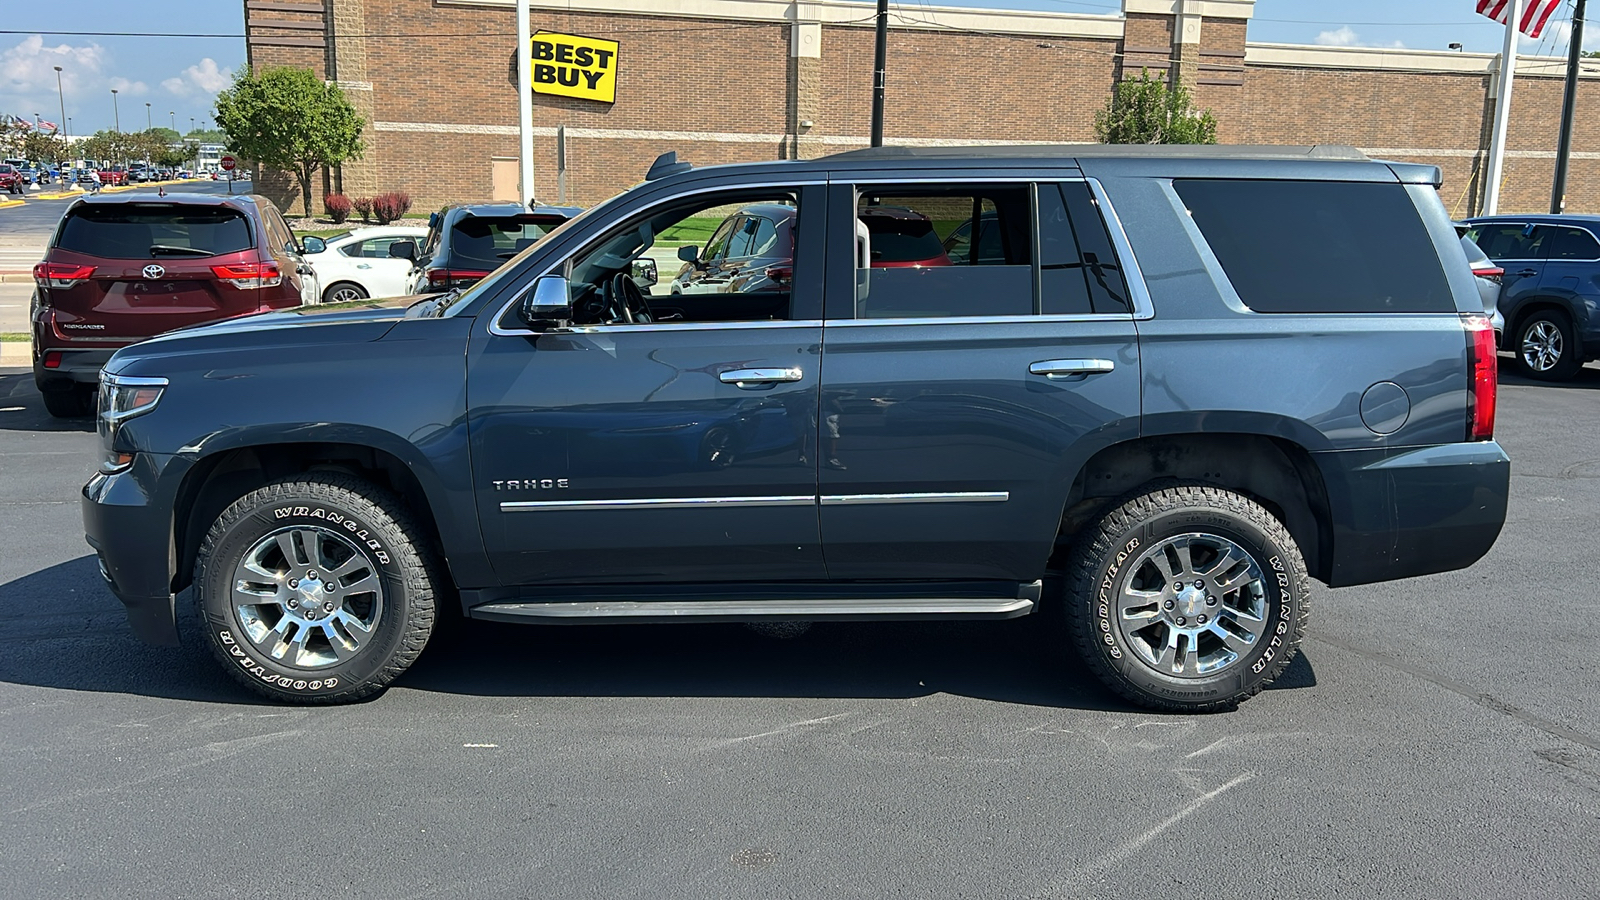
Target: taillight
x: 780, y: 274
x: 1494, y: 273
x: 444, y: 279
x: 1484, y: 376
x: 52, y: 359
x: 61, y: 275
x: 249, y: 275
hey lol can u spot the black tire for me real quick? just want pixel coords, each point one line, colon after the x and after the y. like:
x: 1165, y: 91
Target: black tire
x: 1111, y: 555
x: 344, y: 286
x: 1558, y: 356
x: 347, y: 512
x: 69, y: 402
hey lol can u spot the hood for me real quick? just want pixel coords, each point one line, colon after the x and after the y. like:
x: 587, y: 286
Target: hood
x: 304, y: 329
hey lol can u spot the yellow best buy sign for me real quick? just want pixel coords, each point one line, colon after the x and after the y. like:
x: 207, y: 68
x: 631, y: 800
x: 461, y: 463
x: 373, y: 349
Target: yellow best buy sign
x: 574, y: 66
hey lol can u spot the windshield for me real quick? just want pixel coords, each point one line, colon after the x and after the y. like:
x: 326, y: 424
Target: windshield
x: 489, y: 284
x: 487, y: 241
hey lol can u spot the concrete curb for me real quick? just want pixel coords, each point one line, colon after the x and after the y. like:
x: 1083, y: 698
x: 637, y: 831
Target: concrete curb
x: 7, y: 204
x: 16, y: 277
x: 16, y: 353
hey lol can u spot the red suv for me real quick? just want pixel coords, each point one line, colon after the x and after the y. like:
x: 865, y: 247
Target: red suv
x: 122, y: 268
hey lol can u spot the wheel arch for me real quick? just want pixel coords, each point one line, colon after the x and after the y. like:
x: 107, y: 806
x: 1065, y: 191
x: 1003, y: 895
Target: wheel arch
x: 343, y: 281
x: 1527, y: 308
x: 226, y: 474
x: 1274, y: 471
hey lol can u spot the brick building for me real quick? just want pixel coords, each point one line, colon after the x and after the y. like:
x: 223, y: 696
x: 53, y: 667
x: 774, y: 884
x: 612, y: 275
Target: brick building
x: 742, y: 80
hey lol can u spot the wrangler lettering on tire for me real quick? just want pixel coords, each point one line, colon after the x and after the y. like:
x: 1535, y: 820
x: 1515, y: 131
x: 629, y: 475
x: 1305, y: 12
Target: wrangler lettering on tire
x: 316, y: 589
x: 1188, y: 598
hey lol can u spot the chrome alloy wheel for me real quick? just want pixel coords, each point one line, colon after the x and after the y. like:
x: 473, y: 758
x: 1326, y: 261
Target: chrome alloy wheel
x: 307, y: 597
x: 1192, y: 605
x: 346, y: 294
x: 1541, y: 346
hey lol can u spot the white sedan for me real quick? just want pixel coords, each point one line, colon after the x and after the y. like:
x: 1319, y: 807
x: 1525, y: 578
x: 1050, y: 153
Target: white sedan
x: 357, y: 264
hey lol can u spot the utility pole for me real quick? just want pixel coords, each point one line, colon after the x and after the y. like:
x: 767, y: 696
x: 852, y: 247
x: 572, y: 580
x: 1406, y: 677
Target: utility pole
x: 1569, y: 102
x: 1502, y: 113
x: 524, y: 104
x: 879, y: 65
x: 63, y: 97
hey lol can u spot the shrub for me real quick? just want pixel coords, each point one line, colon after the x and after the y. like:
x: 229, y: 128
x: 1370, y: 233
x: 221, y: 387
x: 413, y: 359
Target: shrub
x: 338, y: 206
x: 363, y: 207
x: 388, y: 207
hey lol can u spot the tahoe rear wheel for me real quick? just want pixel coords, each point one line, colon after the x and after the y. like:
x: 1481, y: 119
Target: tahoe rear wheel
x: 316, y: 589
x: 1188, y: 598
x: 1546, y: 346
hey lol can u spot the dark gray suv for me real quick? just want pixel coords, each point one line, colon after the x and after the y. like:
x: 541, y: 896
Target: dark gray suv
x: 1142, y: 389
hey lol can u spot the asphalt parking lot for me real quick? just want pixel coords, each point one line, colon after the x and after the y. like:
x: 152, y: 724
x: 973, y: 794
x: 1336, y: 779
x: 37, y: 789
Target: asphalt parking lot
x: 1438, y: 737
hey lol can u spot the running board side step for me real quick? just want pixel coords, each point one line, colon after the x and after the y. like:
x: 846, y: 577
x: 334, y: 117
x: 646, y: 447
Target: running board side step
x: 755, y: 610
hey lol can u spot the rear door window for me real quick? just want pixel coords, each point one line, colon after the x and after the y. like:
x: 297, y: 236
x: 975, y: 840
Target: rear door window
x: 1509, y: 240
x: 146, y: 231
x: 1572, y: 244
x: 1320, y: 246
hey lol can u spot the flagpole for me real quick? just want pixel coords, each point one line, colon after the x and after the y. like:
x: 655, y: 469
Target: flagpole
x: 1558, y: 190
x: 1502, y: 113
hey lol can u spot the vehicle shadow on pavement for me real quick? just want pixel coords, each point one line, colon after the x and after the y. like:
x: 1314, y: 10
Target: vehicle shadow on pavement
x: 1588, y: 377
x: 1025, y: 661
x: 61, y: 628
x: 22, y: 409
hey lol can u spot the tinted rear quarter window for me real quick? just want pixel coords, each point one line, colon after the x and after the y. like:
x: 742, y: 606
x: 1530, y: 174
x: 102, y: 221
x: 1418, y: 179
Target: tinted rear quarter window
x: 130, y: 232
x: 1320, y: 246
x: 488, y: 241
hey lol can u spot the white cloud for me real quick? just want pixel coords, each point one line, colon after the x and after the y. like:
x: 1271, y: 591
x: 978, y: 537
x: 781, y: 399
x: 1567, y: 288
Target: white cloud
x: 1345, y: 36
x: 205, y: 77
x: 28, y: 69
x: 131, y: 88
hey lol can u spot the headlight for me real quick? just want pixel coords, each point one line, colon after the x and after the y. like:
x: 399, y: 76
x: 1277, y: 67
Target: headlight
x: 121, y: 398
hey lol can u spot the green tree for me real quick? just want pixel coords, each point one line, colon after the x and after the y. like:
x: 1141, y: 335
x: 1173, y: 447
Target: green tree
x: 1145, y: 111
x: 35, y: 146
x: 111, y: 146
x: 290, y: 119
x: 206, y: 136
x: 167, y: 135
x: 174, y: 156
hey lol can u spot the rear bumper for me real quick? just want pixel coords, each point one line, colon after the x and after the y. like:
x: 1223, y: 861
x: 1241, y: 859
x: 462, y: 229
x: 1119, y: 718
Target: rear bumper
x: 129, y: 530
x: 77, y: 367
x: 1402, y: 513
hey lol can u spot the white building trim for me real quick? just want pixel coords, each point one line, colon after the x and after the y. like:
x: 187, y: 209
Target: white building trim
x: 1304, y: 56
x: 837, y: 12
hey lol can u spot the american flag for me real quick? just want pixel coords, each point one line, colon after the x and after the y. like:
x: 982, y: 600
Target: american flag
x: 1534, y: 14
x: 50, y: 125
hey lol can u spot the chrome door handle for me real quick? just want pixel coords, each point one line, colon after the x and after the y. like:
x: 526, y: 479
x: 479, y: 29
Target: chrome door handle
x: 1525, y: 273
x: 1064, y: 368
x: 748, y: 377
x: 364, y: 266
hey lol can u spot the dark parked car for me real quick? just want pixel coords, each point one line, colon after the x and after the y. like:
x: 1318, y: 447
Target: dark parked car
x: 123, y: 268
x: 468, y: 241
x: 1175, y: 421
x: 1550, y: 289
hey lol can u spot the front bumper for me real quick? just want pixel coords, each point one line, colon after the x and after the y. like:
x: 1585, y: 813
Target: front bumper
x: 132, y: 534
x: 1414, y: 511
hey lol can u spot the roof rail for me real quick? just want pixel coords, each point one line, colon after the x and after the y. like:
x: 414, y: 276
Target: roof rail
x: 666, y: 164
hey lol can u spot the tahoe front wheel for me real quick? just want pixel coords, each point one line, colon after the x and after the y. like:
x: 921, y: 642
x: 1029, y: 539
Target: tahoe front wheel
x: 1187, y: 599
x: 316, y: 589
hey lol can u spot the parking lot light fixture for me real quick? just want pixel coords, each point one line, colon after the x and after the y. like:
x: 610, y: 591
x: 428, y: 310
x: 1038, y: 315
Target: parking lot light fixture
x: 148, y: 125
x: 115, y: 112
x: 60, y: 95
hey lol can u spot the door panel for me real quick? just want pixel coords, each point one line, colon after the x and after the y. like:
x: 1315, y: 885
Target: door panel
x: 949, y: 444
x: 617, y: 454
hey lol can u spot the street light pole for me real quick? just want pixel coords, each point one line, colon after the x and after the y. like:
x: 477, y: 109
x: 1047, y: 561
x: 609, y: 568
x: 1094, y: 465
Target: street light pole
x: 1569, y: 102
x: 880, y: 62
x: 63, y: 98
x: 148, y: 126
x: 115, y: 111
x: 524, y: 104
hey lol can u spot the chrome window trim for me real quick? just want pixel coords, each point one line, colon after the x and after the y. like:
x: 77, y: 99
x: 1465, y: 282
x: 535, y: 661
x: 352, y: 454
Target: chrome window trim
x: 931, y: 497
x: 494, y: 323
x: 679, y: 326
x: 661, y: 503
x: 1138, y: 291
x: 1020, y: 319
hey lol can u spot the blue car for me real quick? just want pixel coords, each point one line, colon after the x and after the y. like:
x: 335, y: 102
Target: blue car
x: 1550, y: 288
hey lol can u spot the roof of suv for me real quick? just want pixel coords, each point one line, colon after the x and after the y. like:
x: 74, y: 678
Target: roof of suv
x: 509, y: 208
x: 1033, y: 151
x: 1540, y: 218
x: 239, y: 201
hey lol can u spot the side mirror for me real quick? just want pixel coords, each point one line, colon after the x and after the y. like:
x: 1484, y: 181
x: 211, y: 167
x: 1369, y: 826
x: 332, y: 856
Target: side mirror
x: 644, y: 273
x: 403, y: 250
x: 433, y: 220
x: 549, y: 302
x: 689, y: 254
x: 313, y: 244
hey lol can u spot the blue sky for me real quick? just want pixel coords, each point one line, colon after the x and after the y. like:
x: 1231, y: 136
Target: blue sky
x: 180, y: 76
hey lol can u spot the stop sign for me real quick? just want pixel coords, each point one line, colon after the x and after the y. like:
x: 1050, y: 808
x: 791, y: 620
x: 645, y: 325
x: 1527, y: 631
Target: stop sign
x: 227, y: 164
